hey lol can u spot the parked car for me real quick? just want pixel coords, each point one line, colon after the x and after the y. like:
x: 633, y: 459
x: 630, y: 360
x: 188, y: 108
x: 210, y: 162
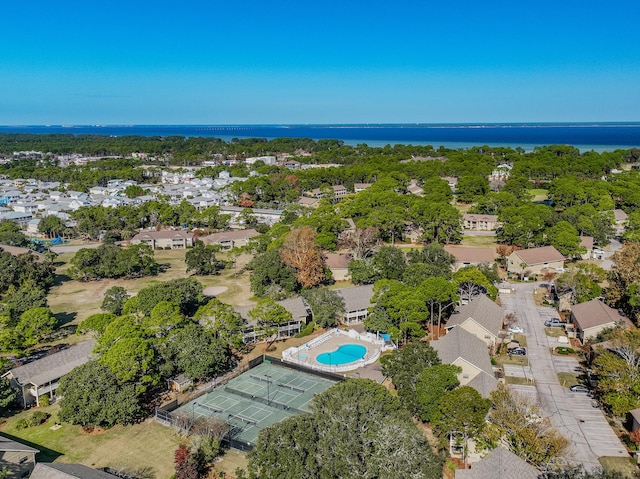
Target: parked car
x: 579, y: 388
x: 553, y: 323
x: 515, y: 329
x: 517, y: 352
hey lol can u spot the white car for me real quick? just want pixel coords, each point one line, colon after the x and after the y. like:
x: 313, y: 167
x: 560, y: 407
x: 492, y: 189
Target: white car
x: 515, y: 329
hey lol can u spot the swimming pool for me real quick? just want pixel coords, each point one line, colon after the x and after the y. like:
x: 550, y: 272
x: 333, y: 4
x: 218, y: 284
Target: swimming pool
x: 347, y: 353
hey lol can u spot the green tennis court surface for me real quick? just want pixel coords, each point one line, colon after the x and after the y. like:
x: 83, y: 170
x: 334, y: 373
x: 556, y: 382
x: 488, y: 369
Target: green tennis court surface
x: 262, y: 396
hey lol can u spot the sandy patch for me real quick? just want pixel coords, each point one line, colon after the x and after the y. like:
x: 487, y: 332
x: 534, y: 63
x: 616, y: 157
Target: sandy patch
x: 214, y: 290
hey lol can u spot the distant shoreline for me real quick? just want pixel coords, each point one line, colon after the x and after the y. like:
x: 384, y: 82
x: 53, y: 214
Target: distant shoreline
x: 596, y: 136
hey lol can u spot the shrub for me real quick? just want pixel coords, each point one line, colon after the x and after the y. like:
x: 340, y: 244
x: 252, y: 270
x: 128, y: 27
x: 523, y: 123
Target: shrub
x: 44, y: 400
x: 307, y: 330
x: 564, y: 350
x: 38, y: 418
x: 22, y: 424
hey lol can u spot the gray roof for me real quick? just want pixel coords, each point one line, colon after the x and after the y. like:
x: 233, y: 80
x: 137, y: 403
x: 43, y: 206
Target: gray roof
x: 484, y: 383
x: 459, y: 343
x: 53, y: 367
x: 483, y: 311
x: 7, y: 445
x: 67, y: 471
x: 296, y: 306
x: 356, y: 298
x: 500, y: 463
x: 229, y: 236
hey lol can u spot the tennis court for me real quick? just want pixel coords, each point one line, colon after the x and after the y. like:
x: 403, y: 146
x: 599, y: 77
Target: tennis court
x: 264, y: 395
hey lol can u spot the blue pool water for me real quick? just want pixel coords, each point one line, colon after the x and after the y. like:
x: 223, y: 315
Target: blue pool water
x: 347, y: 353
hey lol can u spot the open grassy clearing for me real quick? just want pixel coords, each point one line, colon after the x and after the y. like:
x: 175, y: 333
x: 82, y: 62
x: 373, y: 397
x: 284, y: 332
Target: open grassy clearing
x: 74, y: 300
x: 539, y: 194
x: 147, y: 445
x: 518, y: 381
x: 479, y: 241
x: 517, y: 360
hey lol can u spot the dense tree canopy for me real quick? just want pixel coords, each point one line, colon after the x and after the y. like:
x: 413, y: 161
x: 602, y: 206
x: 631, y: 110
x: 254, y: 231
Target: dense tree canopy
x: 356, y: 429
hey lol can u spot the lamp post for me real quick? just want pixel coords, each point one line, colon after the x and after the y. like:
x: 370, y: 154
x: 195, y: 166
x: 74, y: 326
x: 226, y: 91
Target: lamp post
x: 268, y: 389
x: 329, y: 361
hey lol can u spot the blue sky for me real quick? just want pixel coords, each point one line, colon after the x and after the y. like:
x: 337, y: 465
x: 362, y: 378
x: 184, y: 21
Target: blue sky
x: 353, y: 61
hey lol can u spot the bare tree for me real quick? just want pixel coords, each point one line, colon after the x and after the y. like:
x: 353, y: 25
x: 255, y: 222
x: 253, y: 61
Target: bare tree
x: 362, y: 242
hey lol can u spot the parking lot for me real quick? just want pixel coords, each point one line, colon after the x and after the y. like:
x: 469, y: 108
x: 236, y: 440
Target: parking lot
x: 571, y: 412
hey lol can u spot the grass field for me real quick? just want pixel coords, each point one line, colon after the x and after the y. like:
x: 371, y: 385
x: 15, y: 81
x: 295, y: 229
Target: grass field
x: 539, y: 194
x: 479, y: 241
x: 147, y: 445
x: 568, y: 379
x: 73, y: 301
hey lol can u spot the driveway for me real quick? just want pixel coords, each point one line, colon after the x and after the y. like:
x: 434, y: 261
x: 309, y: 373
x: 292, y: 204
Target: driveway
x: 584, y: 426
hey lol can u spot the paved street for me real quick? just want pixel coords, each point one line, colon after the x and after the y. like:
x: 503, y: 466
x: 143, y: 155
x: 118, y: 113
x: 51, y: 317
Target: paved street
x: 572, y: 413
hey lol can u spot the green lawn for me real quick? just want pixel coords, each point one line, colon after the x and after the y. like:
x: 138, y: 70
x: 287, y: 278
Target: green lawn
x: 518, y: 380
x: 518, y: 360
x: 539, y: 194
x: 479, y: 241
x: 142, y: 446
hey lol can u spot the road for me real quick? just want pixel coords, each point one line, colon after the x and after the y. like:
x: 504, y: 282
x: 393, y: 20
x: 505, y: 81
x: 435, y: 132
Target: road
x: 572, y: 413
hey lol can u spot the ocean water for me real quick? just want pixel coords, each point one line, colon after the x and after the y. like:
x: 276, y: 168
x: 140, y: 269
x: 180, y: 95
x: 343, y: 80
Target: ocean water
x: 585, y: 136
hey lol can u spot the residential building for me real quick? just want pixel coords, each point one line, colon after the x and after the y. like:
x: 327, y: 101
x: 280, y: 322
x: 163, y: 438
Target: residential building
x: 338, y: 263
x: 358, y: 187
x: 620, y: 218
x: 587, y: 243
x: 339, y: 192
x: 56, y: 470
x: 535, y: 261
x: 267, y: 160
x: 17, y: 459
x: 310, y: 202
x: 593, y: 316
x: 500, y: 463
x: 357, y: 302
x: 462, y: 348
x: 300, y: 314
x: 475, y: 222
x: 42, y: 376
x: 470, y: 256
x: 481, y: 317
x: 230, y: 239
x: 173, y: 239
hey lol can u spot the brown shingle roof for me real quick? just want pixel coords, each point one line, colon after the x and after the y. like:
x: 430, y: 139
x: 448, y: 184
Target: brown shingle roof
x: 356, y: 299
x: 476, y: 217
x: 595, y: 313
x: 337, y: 260
x: 471, y: 255
x: 544, y: 254
x: 162, y: 234
x: 229, y: 236
x: 587, y: 242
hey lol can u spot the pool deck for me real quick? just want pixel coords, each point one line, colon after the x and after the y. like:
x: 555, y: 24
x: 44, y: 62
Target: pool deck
x: 308, y: 356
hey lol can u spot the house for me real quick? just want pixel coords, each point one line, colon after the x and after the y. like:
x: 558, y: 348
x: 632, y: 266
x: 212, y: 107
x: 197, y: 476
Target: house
x: 309, y: 202
x: 593, y: 316
x: 500, y: 463
x: 267, y: 160
x: 42, y: 376
x: 475, y: 222
x: 452, y: 182
x: 481, y: 317
x: 230, y: 239
x: 262, y: 215
x: 16, y: 458
x: 338, y: 263
x: 356, y: 303
x: 56, y: 470
x: 535, y: 261
x: 358, y: 187
x: 620, y: 218
x: 339, y: 192
x: 470, y: 256
x: 291, y: 164
x: 164, y: 239
x: 462, y: 348
x: 300, y: 314
x: 587, y: 243
x: 180, y: 383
